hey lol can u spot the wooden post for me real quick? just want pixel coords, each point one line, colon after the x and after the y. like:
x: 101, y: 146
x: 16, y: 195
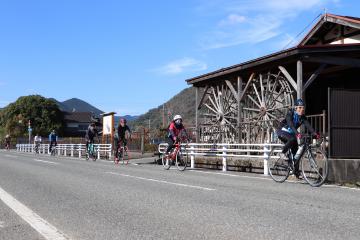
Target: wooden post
x: 299, y: 86
x: 239, y: 93
x: 196, y: 114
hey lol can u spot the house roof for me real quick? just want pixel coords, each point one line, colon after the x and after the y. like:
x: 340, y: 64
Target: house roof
x: 304, y: 46
x: 77, y: 117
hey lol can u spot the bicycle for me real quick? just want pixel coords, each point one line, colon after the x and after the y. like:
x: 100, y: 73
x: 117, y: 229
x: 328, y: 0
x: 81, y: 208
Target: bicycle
x: 7, y: 146
x: 37, y: 145
x: 122, y: 153
x: 91, y: 152
x: 314, y: 163
x: 53, y: 149
x: 178, y: 154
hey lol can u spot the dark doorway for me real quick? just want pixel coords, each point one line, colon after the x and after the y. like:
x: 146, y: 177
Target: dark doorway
x: 344, y: 123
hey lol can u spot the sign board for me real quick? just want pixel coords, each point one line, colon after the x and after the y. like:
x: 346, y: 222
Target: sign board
x: 108, y: 124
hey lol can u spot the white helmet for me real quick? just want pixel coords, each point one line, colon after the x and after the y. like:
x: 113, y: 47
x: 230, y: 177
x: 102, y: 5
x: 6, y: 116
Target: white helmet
x: 177, y: 117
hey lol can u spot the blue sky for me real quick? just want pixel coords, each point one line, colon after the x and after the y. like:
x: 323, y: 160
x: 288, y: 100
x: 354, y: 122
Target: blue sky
x: 130, y: 56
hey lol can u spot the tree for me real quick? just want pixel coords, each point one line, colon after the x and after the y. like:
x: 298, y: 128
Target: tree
x: 44, y: 115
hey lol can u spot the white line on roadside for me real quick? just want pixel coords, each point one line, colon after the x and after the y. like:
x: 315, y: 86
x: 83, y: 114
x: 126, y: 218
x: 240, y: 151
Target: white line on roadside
x: 38, y: 160
x: 231, y: 175
x: 1, y: 224
x: 7, y: 155
x: 162, y: 181
x: 40, y: 225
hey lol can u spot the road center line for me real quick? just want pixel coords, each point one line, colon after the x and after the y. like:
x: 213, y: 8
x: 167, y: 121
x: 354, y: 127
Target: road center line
x: 38, y: 160
x: 162, y: 181
x: 40, y: 225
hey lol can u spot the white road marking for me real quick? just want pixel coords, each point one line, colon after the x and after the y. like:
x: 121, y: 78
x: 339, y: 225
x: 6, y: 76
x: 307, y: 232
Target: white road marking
x: 162, y: 181
x: 1, y: 224
x: 40, y: 225
x: 231, y: 175
x: 7, y: 155
x: 38, y: 160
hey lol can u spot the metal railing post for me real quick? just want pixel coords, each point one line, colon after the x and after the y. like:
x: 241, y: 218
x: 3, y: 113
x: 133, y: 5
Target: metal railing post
x: 79, y: 150
x: 224, y: 163
x: 72, y: 150
x: 192, y: 157
x: 98, y: 151
x: 266, y: 158
x: 65, y: 146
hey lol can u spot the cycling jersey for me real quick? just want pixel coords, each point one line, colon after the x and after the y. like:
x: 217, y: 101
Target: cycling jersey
x: 293, y: 121
x: 122, y: 130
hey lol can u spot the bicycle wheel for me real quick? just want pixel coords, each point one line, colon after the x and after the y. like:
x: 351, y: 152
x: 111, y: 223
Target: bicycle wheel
x: 315, y: 168
x: 93, y: 153
x: 182, y: 159
x: 278, y: 166
x: 166, y: 162
x: 126, y: 156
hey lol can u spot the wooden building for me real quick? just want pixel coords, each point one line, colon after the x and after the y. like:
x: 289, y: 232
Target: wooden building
x: 244, y: 103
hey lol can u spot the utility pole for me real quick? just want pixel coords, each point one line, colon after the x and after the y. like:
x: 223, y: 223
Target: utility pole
x: 30, y: 130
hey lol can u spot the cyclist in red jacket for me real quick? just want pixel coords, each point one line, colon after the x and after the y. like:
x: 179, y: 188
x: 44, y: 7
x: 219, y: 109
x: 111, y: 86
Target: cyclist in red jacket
x: 176, y: 127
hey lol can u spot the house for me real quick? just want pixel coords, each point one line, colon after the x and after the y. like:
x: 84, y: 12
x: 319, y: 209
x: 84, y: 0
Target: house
x: 76, y: 123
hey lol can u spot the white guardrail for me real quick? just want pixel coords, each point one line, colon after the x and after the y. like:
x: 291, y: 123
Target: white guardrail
x: 240, y: 151
x: 67, y: 149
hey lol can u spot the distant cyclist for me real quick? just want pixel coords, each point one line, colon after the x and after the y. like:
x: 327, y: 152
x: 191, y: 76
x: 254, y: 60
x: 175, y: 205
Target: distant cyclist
x: 123, y: 132
x: 53, y: 138
x: 7, y: 141
x: 176, y: 127
x: 288, y: 133
x: 37, y: 142
x: 91, y: 133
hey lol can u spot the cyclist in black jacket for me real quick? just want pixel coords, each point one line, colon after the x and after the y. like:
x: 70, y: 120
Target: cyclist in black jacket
x: 91, y: 133
x: 288, y: 133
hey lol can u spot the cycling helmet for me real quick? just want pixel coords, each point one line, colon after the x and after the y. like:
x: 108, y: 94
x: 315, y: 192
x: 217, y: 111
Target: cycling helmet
x: 299, y: 102
x: 177, y: 117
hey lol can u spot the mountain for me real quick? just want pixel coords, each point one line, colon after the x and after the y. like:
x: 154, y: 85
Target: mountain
x: 183, y: 103
x: 77, y: 105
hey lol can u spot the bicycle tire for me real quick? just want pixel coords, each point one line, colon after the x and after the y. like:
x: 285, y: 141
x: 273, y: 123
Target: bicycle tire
x: 126, y: 157
x: 182, y: 159
x: 165, y: 162
x: 314, y: 167
x: 278, y: 165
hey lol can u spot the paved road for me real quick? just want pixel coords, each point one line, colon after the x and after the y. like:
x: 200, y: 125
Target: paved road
x: 97, y: 200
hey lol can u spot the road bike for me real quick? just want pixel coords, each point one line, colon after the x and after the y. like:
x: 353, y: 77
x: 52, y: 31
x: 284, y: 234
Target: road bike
x: 53, y: 149
x: 37, y: 146
x: 178, y: 154
x: 122, y: 153
x: 312, y: 160
x: 91, y: 152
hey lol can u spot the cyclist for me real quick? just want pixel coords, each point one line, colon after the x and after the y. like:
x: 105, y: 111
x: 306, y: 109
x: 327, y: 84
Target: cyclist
x: 53, y: 138
x: 174, y: 130
x: 122, y: 131
x: 91, y: 133
x: 37, y: 141
x: 288, y: 133
x: 7, y: 141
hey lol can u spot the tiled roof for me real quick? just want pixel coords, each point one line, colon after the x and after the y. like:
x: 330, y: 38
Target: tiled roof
x: 77, y: 117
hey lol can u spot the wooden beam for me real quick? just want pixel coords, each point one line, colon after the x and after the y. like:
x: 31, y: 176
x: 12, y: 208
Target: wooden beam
x: 202, y: 98
x: 313, y: 77
x: 247, y: 86
x: 239, y: 84
x: 342, y: 61
x: 299, y: 78
x: 196, y: 113
x: 232, y: 89
x: 288, y: 77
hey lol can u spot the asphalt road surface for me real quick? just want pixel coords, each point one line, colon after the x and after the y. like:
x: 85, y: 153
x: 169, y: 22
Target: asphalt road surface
x: 44, y: 197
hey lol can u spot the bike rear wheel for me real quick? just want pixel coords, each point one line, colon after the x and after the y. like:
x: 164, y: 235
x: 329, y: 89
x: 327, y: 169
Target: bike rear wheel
x: 182, y: 160
x: 278, y: 166
x: 315, y: 168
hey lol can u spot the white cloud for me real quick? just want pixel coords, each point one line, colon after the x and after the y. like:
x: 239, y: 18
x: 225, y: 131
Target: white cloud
x: 182, y: 65
x: 251, y: 21
x: 232, y: 19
